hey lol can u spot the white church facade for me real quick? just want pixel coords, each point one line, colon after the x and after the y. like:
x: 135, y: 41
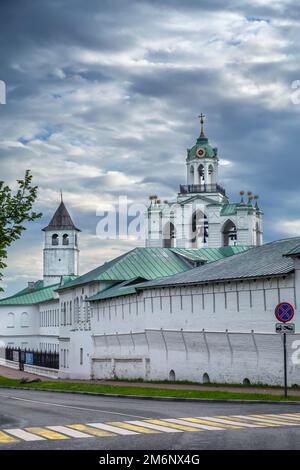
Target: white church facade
x: 198, y: 308
x: 201, y: 215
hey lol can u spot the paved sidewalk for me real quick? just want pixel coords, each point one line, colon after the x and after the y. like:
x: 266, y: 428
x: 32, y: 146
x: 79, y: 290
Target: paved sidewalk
x: 17, y: 374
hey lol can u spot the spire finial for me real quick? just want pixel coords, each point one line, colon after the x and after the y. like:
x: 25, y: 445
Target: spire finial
x: 61, y: 195
x: 202, y: 116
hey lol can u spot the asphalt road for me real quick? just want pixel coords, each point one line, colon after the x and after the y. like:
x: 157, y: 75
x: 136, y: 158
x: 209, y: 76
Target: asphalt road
x: 21, y: 409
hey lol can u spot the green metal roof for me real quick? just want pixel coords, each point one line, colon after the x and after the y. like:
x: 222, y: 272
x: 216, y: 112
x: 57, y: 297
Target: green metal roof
x: 294, y: 252
x: 228, y: 209
x: 146, y: 263
x: 209, y: 254
x: 190, y: 254
x: 263, y: 261
x: 152, y: 263
x: 36, y: 295
x: 116, y: 291
x: 202, y: 142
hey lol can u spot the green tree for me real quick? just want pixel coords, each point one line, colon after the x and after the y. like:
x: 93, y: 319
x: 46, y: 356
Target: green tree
x: 15, y: 210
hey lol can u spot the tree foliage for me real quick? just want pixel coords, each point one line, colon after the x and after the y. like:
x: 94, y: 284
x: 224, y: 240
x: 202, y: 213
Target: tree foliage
x: 15, y: 210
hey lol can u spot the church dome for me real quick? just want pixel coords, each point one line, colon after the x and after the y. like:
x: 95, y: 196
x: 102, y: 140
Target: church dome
x: 202, y: 143
x: 202, y: 147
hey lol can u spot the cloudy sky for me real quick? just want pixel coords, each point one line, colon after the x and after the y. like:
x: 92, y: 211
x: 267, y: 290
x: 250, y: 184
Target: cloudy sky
x: 103, y: 98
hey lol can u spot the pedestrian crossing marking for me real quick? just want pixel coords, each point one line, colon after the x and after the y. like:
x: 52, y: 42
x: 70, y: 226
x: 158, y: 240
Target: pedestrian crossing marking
x: 267, y: 419
x: 154, y: 426
x: 47, y: 433
x: 259, y: 420
x: 172, y: 425
x: 89, y: 430
x: 195, y: 425
x: 69, y: 432
x: 133, y: 427
x: 148, y: 426
x: 229, y: 420
x: 24, y: 435
x: 291, y: 416
x: 5, y: 438
x: 114, y: 429
x: 211, y: 423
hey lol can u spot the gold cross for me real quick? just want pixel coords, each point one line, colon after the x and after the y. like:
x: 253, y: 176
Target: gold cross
x: 201, y: 116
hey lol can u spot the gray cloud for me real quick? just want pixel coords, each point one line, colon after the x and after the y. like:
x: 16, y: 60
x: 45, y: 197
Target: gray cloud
x: 103, y: 98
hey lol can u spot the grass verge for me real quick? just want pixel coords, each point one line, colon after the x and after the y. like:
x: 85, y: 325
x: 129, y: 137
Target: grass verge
x: 143, y: 391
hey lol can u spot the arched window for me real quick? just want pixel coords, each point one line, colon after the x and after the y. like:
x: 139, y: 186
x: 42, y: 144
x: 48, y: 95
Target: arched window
x: 169, y: 235
x: 24, y: 319
x: 257, y: 233
x: 65, y: 239
x: 201, y: 174
x: 229, y: 233
x: 199, y: 229
x: 172, y: 376
x: 55, y: 239
x: 211, y: 176
x: 10, y: 320
x: 70, y: 313
x: 191, y: 175
x: 65, y: 314
x: 205, y: 378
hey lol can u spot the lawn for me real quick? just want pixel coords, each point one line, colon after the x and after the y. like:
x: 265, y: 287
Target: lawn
x: 142, y: 391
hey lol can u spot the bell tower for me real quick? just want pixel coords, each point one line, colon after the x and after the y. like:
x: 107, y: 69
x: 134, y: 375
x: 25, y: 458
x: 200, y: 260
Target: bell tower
x: 61, y: 252
x: 202, y: 165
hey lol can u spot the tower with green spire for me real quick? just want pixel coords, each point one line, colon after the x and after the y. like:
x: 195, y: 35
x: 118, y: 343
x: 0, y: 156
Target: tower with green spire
x: 201, y: 214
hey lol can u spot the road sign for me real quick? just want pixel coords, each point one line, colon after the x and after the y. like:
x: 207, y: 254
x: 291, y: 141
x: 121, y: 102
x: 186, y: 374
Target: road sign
x: 284, y: 312
x: 288, y: 328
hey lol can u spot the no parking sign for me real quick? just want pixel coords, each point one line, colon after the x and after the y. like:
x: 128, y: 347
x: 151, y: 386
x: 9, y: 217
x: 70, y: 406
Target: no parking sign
x: 284, y: 312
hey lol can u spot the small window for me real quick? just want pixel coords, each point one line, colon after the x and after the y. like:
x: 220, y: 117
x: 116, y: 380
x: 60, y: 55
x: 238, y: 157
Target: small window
x: 205, y: 378
x: 65, y: 239
x: 81, y: 356
x: 172, y: 376
x: 11, y: 320
x: 24, y: 320
x: 55, y: 239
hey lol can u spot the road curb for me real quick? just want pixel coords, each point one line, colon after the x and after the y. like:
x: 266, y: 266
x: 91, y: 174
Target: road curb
x: 145, y: 397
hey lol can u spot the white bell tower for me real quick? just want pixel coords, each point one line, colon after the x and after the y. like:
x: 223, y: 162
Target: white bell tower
x: 202, y: 164
x: 61, y: 252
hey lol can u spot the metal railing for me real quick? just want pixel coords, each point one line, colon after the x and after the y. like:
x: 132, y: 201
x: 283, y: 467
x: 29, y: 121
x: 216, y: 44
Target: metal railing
x: 48, y: 359
x: 201, y: 188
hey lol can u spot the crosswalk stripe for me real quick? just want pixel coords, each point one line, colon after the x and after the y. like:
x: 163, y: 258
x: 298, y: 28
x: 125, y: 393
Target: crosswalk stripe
x: 132, y: 427
x: 291, y: 416
x: 89, y: 430
x: 258, y: 421
x: 24, y: 435
x: 211, y: 423
x: 195, y: 425
x: 68, y: 431
x: 264, y: 418
x: 226, y: 420
x: 5, y: 438
x: 171, y: 425
x: 154, y: 426
x: 283, y: 419
x: 47, y: 433
x: 242, y: 421
x: 114, y: 429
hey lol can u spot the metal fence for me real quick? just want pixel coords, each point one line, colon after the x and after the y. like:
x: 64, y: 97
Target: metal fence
x: 31, y: 357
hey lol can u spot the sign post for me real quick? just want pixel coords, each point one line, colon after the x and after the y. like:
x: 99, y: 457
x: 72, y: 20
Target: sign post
x: 285, y: 365
x: 284, y: 312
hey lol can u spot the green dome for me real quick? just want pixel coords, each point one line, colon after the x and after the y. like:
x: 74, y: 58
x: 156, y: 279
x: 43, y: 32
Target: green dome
x: 202, y: 142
